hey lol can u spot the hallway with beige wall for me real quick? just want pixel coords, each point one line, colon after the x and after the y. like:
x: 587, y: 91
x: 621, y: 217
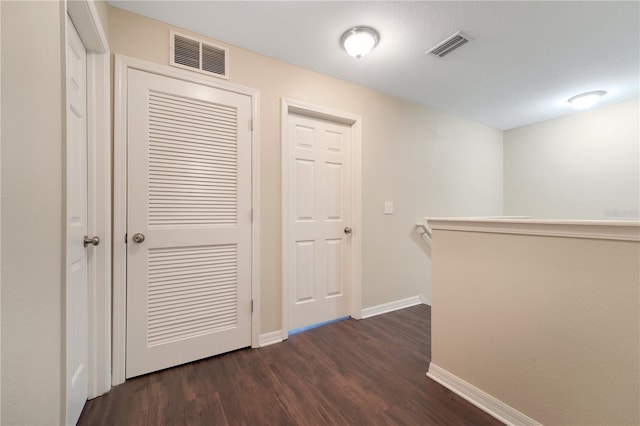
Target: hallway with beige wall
x: 424, y: 161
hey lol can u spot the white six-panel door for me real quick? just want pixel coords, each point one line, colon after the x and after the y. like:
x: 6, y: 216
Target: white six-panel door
x: 189, y: 197
x: 77, y: 346
x: 320, y: 209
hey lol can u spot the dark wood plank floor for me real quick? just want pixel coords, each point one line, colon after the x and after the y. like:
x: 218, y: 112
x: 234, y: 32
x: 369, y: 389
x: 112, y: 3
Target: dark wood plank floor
x: 369, y: 372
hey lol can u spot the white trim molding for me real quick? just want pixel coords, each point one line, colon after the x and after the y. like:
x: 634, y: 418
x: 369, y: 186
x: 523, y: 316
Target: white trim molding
x: 122, y: 65
x: 493, y: 406
x: 592, y: 229
x: 270, y: 338
x: 289, y: 106
x: 392, y: 306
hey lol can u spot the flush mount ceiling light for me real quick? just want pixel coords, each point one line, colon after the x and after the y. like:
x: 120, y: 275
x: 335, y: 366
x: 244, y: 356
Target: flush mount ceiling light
x: 586, y: 100
x: 359, y: 41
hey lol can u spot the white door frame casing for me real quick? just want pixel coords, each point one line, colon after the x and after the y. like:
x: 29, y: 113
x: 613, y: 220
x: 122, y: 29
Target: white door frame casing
x: 87, y: 21
x: 289, y: 106
x: 122, y: 65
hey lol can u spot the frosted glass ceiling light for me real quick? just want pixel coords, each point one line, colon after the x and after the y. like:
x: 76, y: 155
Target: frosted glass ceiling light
x: 359, y: 41
x: 586, y: 100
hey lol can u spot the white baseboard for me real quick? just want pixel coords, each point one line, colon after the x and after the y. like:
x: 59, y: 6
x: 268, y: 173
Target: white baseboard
x: 479, y: 398
x: 391, y: 306
x: 425, y: 300
x: 270, y: 338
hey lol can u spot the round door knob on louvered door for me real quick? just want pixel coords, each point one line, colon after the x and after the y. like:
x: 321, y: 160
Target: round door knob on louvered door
x: 138, y: 238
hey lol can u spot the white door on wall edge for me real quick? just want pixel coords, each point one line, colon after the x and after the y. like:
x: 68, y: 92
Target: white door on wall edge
x: 77, y: 310
x: 320, y: 215
x: 188, y: 222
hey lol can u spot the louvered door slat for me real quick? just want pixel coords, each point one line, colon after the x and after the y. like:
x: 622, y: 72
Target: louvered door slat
x: 202, y: 157
x: 172, y: 135
x: 195, y: 156
x: 187, y: 116
x: 167, y: 181
x: 211, y: 167
x: 188, y: 292
x: 165, y: 101
x: 197, y: 109
x: 194, y: 202
x: 186, y: 103
x: 173, y: 315
x: 180, y: 123
x: 170, y: 287
x: 183, y: 172
x: 172, y: 143
x: 181, y: 309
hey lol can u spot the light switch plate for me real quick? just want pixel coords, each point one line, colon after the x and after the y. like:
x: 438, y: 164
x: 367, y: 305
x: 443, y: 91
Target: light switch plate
x: 388, y: 207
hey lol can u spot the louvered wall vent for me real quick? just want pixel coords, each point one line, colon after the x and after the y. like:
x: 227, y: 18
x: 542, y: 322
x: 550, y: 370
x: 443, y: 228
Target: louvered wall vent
x: 450, y: 44
x: 198, y: 55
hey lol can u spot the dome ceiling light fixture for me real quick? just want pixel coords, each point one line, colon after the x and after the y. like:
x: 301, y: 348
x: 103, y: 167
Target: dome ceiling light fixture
x: 586, y: 100
x: 359, y: 41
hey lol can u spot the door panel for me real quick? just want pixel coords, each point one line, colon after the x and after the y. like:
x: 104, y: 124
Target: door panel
x: 320, y: 187
x: 305, y: 190
x: 77, y: 356
x: 335, y: 272
x: 333, y: 192
x: 305, y: 277
x: 189, y: 194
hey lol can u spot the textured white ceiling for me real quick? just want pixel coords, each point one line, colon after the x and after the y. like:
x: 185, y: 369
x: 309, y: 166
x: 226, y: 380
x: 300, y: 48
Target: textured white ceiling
x: 524, y: 60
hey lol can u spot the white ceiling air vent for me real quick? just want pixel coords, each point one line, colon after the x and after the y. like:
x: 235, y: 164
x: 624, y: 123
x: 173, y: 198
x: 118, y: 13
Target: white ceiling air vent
x: 448, y: 45
x: 198, y: 55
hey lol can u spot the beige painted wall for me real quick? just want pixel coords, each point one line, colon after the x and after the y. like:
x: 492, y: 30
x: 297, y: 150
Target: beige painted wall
x: 585, y: 166
x: 32, y: 289
x: 548, y: 325
x: 426, y: 162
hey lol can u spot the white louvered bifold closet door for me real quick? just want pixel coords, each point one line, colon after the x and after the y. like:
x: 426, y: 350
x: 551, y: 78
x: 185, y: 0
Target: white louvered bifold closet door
x: 189, y: 195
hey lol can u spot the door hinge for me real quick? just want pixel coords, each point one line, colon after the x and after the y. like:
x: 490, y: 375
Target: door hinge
x: 252, y: 306
x: 251, y: 215
x: 251, y: 124
x: 125, y: 238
